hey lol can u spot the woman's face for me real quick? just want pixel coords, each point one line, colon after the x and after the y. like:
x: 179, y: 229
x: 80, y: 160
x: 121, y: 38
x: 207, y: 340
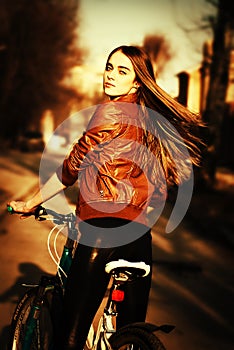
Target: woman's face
x: 119, y: 76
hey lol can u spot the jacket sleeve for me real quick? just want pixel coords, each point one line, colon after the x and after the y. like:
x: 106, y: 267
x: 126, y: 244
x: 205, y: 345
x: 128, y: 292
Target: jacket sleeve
x: 104, y: 126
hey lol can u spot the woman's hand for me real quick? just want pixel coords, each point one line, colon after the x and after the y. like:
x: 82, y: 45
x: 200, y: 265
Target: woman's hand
x: 47, y: 191
x: 21, y: 207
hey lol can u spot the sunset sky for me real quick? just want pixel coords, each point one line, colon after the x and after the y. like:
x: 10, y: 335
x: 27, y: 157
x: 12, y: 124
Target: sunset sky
x: 106, y: 24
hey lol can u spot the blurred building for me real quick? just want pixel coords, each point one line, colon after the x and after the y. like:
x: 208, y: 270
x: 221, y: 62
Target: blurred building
x: 193, y: 89
x: 230, y: 89
x: 194, y: 83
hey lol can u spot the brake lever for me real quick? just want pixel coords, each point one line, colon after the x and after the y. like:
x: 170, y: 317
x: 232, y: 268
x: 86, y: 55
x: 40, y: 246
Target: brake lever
x: 39, y: 211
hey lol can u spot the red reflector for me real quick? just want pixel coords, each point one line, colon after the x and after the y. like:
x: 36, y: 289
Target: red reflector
x: 117, y: 295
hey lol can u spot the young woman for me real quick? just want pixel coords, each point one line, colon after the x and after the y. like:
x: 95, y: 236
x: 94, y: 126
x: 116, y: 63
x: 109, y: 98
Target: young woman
x: 125, y: 160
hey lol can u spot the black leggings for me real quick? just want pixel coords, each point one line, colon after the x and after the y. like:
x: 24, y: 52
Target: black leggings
x: 88, y: 281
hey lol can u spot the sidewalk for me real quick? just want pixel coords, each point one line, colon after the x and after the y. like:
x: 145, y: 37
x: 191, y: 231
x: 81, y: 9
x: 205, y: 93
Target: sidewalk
x: 211, y: 211
x: 19, y: 176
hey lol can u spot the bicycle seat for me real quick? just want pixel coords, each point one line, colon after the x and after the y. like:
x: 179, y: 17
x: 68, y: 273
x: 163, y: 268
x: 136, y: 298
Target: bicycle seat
x: 124, y: 266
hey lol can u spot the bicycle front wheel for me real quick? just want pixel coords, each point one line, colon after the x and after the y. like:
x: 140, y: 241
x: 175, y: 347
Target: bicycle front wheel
x: 135, y: 339
x: 43, y: 332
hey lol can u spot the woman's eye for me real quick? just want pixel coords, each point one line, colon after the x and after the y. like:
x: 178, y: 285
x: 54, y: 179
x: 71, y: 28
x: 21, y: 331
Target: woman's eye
x: 122, y: 72
x: 108, y: 68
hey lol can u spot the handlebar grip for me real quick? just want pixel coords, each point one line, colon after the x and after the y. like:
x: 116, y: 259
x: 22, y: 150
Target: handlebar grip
x: 10, y: 209
x: 37, y: 212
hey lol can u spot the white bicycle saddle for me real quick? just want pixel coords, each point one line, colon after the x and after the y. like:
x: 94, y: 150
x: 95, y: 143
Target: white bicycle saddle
x: 112, y: 265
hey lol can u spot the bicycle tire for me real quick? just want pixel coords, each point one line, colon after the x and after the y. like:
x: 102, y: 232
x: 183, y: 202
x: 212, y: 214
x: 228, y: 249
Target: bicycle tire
x: 130, y: 338
x: 43, y: 333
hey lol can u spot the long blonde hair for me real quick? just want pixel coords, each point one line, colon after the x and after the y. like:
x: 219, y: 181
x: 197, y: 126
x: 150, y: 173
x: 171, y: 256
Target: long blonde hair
x: 163, y: 140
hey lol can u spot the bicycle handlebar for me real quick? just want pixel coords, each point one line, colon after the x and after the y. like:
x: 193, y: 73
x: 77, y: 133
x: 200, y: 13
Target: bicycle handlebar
x: 40, y: 212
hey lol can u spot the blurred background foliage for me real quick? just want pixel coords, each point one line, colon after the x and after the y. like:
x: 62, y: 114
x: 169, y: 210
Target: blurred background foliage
x: 38, y: 46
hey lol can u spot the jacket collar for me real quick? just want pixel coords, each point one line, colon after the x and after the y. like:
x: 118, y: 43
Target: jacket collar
x: 131, y: 98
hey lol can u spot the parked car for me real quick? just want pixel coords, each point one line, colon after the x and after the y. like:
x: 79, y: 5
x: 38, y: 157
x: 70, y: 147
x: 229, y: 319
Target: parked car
x: 31, y: 141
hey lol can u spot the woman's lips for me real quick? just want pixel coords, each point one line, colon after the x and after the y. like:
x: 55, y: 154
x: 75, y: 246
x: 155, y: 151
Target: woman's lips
x: 108, y: 85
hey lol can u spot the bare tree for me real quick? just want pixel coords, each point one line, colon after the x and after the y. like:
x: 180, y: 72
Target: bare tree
x: 159, y: 50
x: 216, y: 106
x: 38, y: 46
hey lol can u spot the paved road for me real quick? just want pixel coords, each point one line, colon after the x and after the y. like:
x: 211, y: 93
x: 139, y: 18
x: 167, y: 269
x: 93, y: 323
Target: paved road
x: 192, y: 287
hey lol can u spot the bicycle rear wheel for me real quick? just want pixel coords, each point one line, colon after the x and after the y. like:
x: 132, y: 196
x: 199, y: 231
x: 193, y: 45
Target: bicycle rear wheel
x: 43, y: 332
x: 135, y: 339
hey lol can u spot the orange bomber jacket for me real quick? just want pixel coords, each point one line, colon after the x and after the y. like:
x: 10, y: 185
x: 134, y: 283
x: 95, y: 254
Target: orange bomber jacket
x: 117, y: 175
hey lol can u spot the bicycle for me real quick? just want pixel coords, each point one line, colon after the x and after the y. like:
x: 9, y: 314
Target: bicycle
x: 36, y: 313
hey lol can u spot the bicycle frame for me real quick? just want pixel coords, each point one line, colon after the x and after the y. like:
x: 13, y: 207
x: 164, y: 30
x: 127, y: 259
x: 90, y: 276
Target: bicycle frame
x: 105, y: 326
x: 120, y: 275
x: 46, y: 282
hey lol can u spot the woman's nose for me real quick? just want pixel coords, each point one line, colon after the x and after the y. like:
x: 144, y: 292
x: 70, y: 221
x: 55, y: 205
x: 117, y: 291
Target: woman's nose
x: 111, y: 75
